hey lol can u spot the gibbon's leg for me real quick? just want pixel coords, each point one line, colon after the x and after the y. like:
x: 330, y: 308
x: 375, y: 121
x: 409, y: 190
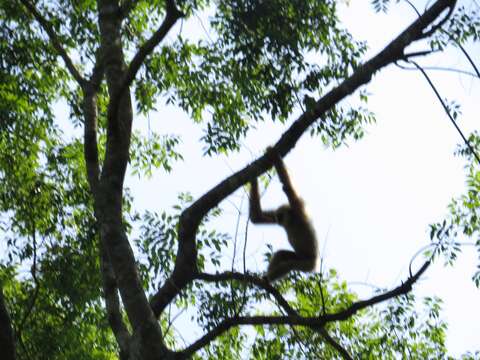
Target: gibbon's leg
x: 279, y: 264
x: 257, y: 215
x: 284, y: 261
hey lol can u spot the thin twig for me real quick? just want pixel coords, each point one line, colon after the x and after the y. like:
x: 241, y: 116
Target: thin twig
x: 440, y: 68
x: 445, y: 107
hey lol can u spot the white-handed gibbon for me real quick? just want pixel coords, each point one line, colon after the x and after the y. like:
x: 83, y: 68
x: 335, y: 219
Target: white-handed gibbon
x: 295, y: 221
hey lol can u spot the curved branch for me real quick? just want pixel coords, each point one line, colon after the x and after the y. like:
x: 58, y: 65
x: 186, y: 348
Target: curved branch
x: 185, y: 265
x: 441, y: 68
x: 312, y: 322
x: 55, y: 42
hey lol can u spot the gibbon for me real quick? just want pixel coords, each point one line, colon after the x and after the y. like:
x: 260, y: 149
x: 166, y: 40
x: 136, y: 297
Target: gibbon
x: 294, y: 220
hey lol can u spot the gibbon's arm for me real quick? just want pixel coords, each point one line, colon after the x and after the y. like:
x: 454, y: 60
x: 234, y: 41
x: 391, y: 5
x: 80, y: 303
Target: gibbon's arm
x: 293, y: 198
x: 257, y: 216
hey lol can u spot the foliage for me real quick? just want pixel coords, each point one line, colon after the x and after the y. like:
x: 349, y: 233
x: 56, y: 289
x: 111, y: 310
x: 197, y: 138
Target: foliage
x: 260, y: 60
x: 463, y: 220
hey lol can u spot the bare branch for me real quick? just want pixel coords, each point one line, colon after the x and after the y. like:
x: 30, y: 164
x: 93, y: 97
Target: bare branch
x: 441, y: 68
x: 464, y: 51
x: 312, y: 322
x: 445, y: 107
x: 185, y: 266
x: 55, y: 42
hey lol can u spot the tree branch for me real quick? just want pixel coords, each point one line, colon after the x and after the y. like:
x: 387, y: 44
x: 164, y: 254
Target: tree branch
x: 464, y: 51
x: 282, y: 302
x: 312, y: 322
x: 172, y: 15
x: 146, y: 331
x: 55, y: 42
x: 90, y: 114
x: 112, y: 304
x: 439, y: 24
x: 185, y: 265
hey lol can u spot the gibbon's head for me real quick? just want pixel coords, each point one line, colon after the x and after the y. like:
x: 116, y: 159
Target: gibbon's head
x: 283, y: 215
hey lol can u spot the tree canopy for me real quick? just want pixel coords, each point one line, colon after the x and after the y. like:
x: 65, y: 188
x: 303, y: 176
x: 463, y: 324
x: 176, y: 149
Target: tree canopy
x: 86, y: 275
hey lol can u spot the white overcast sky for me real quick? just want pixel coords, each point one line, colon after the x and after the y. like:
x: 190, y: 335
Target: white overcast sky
x: 371, y: 202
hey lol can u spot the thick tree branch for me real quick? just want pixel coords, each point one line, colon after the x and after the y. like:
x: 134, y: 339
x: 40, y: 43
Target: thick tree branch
x: 312, y: 322
x: 55, y: 42
x: 112, y: 303
x: 185, y: 266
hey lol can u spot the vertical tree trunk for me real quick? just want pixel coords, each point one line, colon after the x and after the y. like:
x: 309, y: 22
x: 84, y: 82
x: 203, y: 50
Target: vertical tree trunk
x: 7, y: 343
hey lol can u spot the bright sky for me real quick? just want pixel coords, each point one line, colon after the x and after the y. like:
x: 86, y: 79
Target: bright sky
x: 371, y: 202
